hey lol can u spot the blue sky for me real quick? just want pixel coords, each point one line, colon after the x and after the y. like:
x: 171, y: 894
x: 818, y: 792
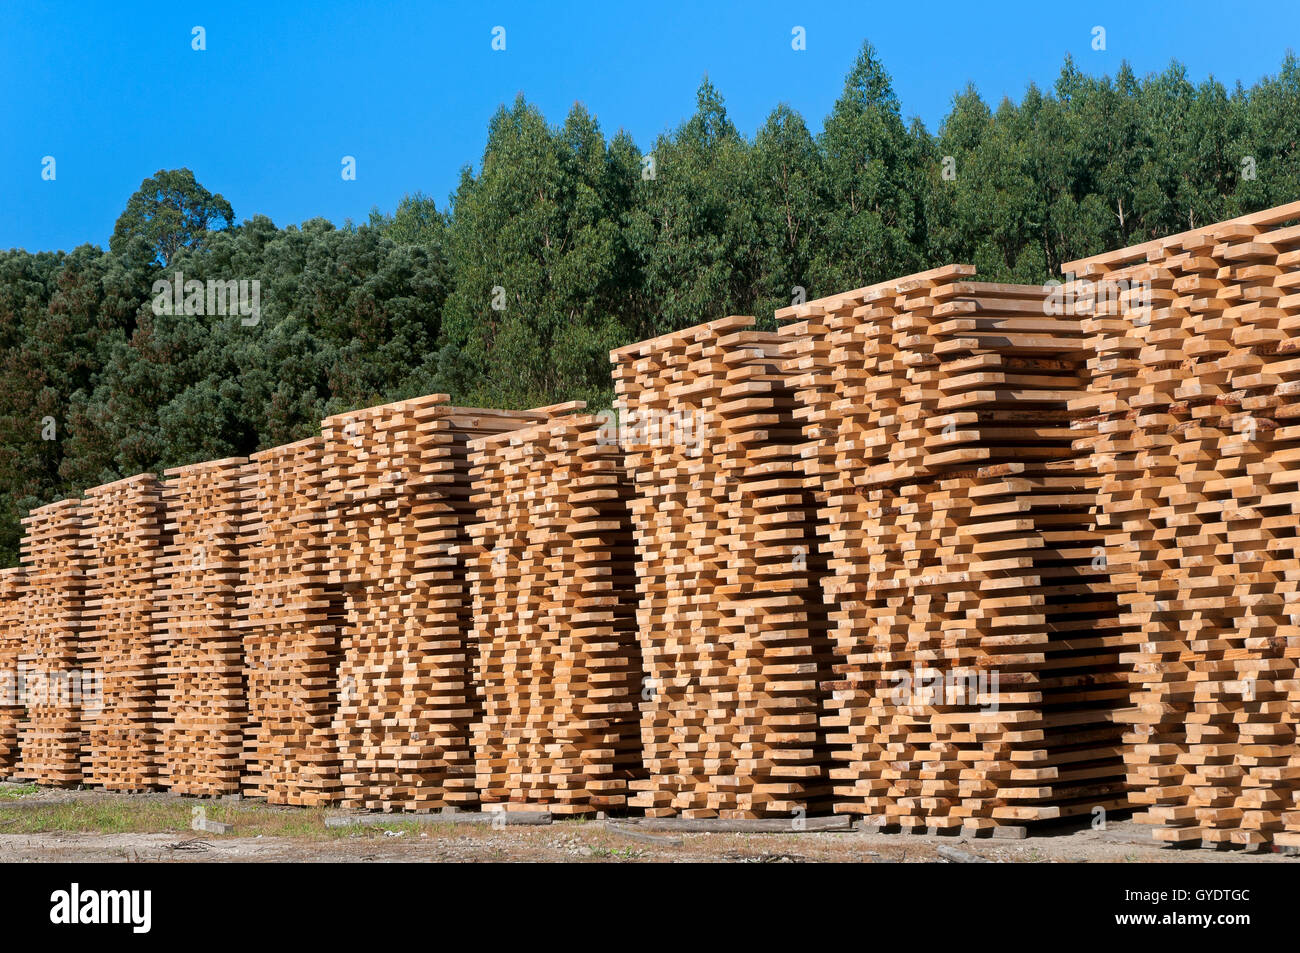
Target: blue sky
x: 114, y: 92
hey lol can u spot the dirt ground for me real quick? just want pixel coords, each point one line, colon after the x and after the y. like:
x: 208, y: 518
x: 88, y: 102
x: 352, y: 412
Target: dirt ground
x: 41, y: 825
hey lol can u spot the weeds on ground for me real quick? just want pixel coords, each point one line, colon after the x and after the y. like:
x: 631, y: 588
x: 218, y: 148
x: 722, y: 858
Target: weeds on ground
x: 617, y: 853
x: 108, y: 814
x: 105, y: 813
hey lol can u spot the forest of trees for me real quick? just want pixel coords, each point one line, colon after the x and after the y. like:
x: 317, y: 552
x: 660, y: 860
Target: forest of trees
x: 584, y: 243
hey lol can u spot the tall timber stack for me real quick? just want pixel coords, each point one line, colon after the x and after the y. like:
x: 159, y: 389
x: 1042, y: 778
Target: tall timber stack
x: 291, y: 632
x: 773, y: 608
x: 123, y: 544
x: 57, y: 686
x: 12, y: 705
x: 398, y: 488
x: 729, y: 721
x: 1192, y: 379
x: 555, y: 618
x: 203, y: 699
x: 976, y: 640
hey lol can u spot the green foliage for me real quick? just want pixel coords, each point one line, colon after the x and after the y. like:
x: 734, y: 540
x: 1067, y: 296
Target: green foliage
x: 538, y: 253
x: 870, y: 185
x: 584, y: 243
x: 347, y: 319
x: 691, y: 232
x: 170, y: 211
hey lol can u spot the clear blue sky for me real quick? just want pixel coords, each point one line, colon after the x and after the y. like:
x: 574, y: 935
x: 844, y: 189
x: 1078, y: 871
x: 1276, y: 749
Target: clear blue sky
x: 114, y: 91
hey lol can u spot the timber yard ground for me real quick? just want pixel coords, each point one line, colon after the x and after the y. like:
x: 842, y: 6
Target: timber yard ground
x: 44, y: 824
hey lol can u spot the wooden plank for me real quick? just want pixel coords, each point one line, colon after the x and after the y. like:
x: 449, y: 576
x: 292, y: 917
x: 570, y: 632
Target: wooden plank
x: 291, y: 616
x: 203, y: 705
x: 124, y: 537
x: 917, y: 484
x: 12, y: 628
x: 51, y: 739
x: 730, y: 613
x: 554, y: 626
x: 397, y: 481
x: 1189, y: 452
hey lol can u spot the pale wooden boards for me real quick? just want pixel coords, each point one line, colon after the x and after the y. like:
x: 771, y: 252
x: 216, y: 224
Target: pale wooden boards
x: 730, y: 617
x: 1191, y: 393
x: 12, y: 707
x: 397, y: 481
x: 122, y: 543
x: 554, y: 619
x: 960, y: 544
x: 291, y: 632
x: 51, y: 740
x: 203, y: 707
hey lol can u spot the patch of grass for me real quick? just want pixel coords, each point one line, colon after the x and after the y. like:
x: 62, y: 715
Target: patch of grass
x: 100, y: 813
x: 128, y: 815
x: 617, y: 853
x: 97, y: 816
x: 12, y: 792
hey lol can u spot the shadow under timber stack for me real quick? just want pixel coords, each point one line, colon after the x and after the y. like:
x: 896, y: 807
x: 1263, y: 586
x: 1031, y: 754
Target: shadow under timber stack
x: 397, y: 483
x: 56, y: 684
x: 12, y: 629
x: 203, y: 701
x: 730, y: 614
x: 976, y: 636
x: 1194, y: 372
x: 555, y: 618
x: 291, y: 632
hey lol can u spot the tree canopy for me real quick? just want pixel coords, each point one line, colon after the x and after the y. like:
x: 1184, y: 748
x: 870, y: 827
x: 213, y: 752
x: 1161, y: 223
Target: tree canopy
x: 170, y: 211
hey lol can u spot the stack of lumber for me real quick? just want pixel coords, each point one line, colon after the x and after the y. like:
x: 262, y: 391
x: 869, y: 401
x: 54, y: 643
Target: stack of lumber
x: 555, y: 618
x: 1193, y: 382
x: 976, y: 640
x: 122, y: 540
x: 396, y: 478
x: 56, y: 687
x: 203, y: 707
x: 773, y: 606
x: 292, y: 617
x: 12, y: 707
x: 730, y: 615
